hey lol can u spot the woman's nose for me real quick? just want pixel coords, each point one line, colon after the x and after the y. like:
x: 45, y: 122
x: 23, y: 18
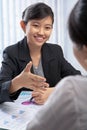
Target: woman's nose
x: 41, y: 31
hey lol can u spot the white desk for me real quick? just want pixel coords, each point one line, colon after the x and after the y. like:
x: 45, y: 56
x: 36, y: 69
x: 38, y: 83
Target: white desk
x: 15, y: 116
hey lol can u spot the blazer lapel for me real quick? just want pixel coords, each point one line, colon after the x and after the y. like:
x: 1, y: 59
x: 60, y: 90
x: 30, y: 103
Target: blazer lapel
x: 47, y: 58
x: 24, y: 54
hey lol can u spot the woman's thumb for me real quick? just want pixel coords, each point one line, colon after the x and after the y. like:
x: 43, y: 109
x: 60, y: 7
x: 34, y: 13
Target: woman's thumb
x: 28, y: 67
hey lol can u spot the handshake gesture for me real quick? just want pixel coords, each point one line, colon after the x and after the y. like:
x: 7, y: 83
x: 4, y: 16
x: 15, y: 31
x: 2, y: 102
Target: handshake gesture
x: 28, y: 80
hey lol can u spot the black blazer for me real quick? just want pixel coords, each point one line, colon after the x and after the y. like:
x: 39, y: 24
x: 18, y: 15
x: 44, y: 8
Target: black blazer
x: 15, y: 58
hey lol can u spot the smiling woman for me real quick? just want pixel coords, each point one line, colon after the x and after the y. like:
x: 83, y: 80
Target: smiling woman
x: 10, y: 31
x: 37, y: 31
x: 20, y: 60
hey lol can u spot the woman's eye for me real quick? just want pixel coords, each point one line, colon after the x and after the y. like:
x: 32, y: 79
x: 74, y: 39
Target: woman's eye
x: 48, y: 28
x: 36, y: 25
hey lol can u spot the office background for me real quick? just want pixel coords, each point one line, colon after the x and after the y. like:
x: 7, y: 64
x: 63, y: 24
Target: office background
x: 11, y: 32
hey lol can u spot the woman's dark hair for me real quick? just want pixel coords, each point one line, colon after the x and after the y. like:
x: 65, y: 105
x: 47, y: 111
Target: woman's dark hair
x: 77, y: 23
x: 37, y: 11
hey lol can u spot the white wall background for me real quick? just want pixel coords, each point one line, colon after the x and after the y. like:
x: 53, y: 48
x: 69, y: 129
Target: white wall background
x: 11, y: 32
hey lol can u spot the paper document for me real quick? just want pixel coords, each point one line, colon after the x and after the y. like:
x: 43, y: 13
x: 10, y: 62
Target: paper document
x: 16, y: 116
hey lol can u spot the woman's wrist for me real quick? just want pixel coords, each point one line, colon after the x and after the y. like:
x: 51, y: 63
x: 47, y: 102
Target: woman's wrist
x: 15, y: 85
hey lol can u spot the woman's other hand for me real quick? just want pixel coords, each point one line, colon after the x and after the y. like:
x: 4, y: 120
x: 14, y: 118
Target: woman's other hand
x: 41, y: 96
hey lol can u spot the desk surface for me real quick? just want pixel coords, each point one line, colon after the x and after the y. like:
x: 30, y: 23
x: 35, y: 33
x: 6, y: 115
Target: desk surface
x: 15, y: 116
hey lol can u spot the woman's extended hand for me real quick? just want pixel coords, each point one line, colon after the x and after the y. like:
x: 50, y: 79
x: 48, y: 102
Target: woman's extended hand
x: 28, y: 80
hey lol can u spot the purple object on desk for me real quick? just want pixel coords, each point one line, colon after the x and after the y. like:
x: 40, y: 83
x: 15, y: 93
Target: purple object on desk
x: 28, y: 102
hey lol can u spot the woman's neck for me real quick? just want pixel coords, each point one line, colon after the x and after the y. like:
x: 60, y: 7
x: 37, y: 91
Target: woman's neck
x: 35, y: 53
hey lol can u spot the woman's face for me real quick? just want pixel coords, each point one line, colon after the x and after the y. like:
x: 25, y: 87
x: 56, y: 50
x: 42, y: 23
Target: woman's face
x: 81, y: 55
x: 38, y: 31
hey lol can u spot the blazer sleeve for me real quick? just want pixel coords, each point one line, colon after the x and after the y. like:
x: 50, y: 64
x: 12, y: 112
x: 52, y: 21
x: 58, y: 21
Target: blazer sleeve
x: 9, y: 66
x: 66, y: 68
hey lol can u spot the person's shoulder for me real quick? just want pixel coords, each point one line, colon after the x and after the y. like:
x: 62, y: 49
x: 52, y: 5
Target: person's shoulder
x: 55, y: 48
x: 73, y: 83
x: 52, y: 45
x: 14, y: 47
x: 11, y: 47
x: 65, y: 83
x: 72, y: 92
x: 66, y: 88
x: 71, y: 79
x: 80, y: 79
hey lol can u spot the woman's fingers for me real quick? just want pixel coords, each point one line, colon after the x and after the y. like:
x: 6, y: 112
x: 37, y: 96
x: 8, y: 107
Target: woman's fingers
x: 38, y: 101
x: 28, y: 67
x: 38, y: 97
x: 32, y: 81
x: 37, y: 78
x: 39, y: 81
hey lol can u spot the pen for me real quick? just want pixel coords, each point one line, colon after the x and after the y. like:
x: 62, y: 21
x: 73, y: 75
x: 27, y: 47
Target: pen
x: 31, y: 99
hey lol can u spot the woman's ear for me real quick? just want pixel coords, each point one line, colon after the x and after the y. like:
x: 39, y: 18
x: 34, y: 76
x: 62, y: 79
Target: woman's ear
x: 23, y: 26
